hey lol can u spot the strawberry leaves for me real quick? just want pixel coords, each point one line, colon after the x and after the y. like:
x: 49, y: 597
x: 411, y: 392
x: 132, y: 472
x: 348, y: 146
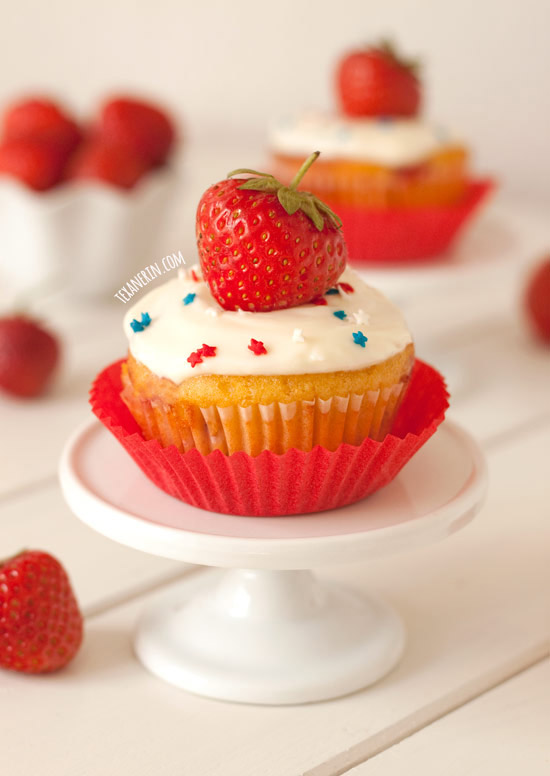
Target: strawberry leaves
x: 290, y: 198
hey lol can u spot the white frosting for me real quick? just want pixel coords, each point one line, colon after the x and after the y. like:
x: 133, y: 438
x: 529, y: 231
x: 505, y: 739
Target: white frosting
x: 389, y: 142
x: 298, y: 340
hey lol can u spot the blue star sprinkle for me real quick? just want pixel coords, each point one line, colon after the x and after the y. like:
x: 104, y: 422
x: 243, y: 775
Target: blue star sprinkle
x: 340, y: 314
x: 359, y: 338
x: 188, y: 299
x: 141, y: 325
x: 331, y: 291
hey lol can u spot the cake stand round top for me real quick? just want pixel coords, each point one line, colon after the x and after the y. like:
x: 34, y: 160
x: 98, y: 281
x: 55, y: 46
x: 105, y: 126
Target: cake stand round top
x: 437, y: 492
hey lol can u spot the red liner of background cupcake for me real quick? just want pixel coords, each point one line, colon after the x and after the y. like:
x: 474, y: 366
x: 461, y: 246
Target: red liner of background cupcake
x: 270, y: 485
x: 406, y: 235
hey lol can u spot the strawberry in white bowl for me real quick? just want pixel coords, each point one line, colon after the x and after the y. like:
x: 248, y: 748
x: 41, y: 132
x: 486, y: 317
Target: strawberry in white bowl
x: 81, y: 205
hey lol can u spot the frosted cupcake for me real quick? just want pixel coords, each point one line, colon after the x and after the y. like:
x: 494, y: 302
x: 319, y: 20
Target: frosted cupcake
x: 272, y: 343
x: 400, y: 183
x: 378, y: 151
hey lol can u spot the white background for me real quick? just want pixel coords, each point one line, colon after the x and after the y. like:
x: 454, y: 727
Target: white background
x: 226, y: 68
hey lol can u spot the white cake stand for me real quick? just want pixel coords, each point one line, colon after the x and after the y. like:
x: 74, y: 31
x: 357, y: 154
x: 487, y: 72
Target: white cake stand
x: 268, y: 631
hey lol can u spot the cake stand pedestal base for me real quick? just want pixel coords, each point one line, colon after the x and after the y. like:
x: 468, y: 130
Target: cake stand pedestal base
x: 270, y: 637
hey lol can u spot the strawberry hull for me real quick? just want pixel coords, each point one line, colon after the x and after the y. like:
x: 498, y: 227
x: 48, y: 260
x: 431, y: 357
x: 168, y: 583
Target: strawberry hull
x: 270, y: 485
x: 406, y: 235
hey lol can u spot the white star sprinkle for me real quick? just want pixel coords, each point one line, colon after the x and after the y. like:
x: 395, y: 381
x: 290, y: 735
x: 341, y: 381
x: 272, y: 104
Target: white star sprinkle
x: 316, y: 355
x: 212, y: 311
x: 298, y: 335
x: 360, y: 317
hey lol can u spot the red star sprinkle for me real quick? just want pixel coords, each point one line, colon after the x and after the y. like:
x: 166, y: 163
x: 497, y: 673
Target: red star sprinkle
x: 319, y: 300
x: 195, y: 277
x: 346, y: 287
x: 257, y: 347
x: 207, y: 350
x: 195, y: 358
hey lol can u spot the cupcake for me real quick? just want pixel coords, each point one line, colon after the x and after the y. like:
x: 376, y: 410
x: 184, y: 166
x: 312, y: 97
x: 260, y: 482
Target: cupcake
x: 269, y: 379
x: 275, y: 345
x: 381, y: 158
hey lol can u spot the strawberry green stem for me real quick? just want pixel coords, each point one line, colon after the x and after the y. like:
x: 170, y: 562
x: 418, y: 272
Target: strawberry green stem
x: 303, y: 169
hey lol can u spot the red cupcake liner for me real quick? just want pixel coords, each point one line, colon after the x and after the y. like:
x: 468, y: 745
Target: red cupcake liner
x: 270, y: 485
x: 404, y: 235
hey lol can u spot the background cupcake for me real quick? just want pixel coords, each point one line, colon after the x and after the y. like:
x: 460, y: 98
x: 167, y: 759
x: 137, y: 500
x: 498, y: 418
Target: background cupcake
x: 381, y: 158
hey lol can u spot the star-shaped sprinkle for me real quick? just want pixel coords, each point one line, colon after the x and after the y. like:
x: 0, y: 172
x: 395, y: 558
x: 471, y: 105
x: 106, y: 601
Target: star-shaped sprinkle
x: 331, y: 291
x: 319, y: 300
x: 195, y: 358
x: 346, y: 288
x: 340, y: 314
x: 195, y: 277
x: 257, y: 347
x: 316, y: 355
x: 359, y: 338
x: 212, y: 311
x: 207, y: 350
x: 141, y: 325
x: 360, y: 317
x: 188, y: 299
x: 298, y: 335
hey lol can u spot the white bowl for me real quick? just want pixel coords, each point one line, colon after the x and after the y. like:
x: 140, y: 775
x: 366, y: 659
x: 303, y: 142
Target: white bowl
x: 87, y: 238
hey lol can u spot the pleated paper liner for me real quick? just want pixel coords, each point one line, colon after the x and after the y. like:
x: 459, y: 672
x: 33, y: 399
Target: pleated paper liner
x: 268, y: 484
x: 408, y: 235
x: 277, y: 427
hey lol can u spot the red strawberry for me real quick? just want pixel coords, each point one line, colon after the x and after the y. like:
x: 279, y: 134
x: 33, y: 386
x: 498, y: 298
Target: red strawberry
x: 28, y: 356
x: 40, y: 623
x: 41, y: 119
x: 264, y: 246
x: 37, y: 164
x: 537, y: 300
x: 98, y: 160
x: 375, y: 82
x: 139, y: 126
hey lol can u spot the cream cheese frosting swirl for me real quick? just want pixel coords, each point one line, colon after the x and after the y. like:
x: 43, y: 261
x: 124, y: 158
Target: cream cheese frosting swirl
x: 390, y: 142
x: 298, y: 340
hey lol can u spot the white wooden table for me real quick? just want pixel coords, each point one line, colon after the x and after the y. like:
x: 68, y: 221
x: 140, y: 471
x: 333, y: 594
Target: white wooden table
x: 472, y: 693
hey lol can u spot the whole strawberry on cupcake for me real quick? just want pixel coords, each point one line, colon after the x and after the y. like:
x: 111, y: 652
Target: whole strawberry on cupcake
x: 273, y: 343
x: 400, y: 183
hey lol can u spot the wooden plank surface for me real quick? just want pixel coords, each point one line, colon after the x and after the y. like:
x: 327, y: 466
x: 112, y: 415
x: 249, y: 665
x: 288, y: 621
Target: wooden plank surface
x: 504, y: 731
x: 476, y: 611
x: 102, y: 571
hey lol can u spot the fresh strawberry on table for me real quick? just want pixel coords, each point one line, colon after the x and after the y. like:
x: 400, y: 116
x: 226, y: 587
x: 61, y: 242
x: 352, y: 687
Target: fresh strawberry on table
x: 41, y: 625
x: 28, y: 356
x: 98, y: 160
x: 537, y: 300
x: 139, y: 126
x: 264, y: 246
x: 37, y: 164
x: 375, y: 81
x: 41, y: 119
